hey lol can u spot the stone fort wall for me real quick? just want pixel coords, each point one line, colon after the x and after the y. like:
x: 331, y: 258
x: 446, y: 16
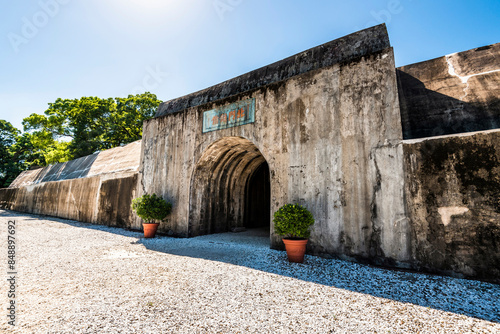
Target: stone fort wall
x: 329, y: 131
x: 400, y: 167
x: 453, y: 94
x: 453, y: 203
x: 450, y: 111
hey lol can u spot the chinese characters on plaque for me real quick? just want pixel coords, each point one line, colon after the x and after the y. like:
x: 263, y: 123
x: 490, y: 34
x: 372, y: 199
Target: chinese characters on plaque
x: 235, y: 114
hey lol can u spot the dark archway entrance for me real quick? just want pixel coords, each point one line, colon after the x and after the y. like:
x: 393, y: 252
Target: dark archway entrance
x: 258, y: 198
x: 230, y: 188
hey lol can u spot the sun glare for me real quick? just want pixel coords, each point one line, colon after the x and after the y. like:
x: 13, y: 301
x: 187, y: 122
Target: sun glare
x: 154, y: 4
x: 147, y: 10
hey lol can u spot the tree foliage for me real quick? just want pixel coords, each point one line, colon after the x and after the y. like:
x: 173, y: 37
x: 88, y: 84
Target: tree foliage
x: 29, y: 151
x: 70, y: 129
x: 9, y: 168
x: 90, y: 124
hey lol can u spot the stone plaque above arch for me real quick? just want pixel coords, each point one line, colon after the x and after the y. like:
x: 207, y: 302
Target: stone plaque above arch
x: 228, y: 116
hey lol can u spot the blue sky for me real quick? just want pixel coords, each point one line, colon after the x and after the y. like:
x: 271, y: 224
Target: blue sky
x: 112, y: 48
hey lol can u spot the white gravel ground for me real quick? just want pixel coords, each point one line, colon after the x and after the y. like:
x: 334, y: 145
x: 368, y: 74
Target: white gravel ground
x: 82, y: 278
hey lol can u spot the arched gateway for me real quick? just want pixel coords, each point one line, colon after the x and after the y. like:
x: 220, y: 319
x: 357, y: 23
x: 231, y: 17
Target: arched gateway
x: 321, y: 128
x: 230, y: 188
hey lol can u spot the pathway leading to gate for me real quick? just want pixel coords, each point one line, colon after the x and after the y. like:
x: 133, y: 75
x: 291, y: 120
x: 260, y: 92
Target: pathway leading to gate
x: 83, y: 278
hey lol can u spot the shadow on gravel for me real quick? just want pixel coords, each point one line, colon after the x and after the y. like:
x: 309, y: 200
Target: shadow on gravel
x: 251, y: 249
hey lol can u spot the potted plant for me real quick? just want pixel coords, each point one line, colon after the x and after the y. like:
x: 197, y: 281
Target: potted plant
x: 293, y: 222
x: 151, y: 209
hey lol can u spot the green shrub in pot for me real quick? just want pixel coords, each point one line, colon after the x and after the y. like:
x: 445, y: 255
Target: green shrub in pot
x: 293, y: 221
x: 151, y: 208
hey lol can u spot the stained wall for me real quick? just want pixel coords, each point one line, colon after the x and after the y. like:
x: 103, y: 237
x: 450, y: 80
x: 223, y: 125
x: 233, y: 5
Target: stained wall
x: 329, y: 131
x: 456, y: 93
x: 453, y: 199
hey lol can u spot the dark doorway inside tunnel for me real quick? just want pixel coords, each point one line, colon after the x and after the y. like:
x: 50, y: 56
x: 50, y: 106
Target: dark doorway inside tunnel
x: 230, y: 189
x: 258, y: 199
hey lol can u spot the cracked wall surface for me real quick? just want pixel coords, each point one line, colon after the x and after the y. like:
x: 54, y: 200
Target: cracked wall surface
x: 456, y: 93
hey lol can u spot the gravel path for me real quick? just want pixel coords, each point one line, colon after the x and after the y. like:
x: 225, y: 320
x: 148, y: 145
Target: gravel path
x: 82, y: 278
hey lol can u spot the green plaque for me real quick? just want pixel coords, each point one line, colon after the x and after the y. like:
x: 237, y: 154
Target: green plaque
x: 235, y: 114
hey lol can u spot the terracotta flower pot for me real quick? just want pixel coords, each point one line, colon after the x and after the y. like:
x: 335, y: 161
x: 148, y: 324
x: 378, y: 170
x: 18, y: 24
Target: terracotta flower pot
x: 295, y: 249
x: 150, y: 229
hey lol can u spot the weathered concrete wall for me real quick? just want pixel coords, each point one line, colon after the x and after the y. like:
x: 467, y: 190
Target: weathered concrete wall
x: 331, y: 138
x: 96, y: 189
x: 327, y: 134
x: 92, y: 200
x: 453, y: 196
x: 115, y: 199
x: 452, y: 94
x: 72, y: 199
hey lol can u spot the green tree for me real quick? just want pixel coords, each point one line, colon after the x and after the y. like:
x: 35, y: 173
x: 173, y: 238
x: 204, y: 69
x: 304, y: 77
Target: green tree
x: 9, y: 168
x: 26, y: 153
x: 72, y: 128
x: 125, y: 123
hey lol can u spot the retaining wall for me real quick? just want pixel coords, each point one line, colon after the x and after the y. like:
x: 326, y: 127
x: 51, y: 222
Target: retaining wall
x: 456, y: 93
x: 453, y: 202
x: 95, y: 189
